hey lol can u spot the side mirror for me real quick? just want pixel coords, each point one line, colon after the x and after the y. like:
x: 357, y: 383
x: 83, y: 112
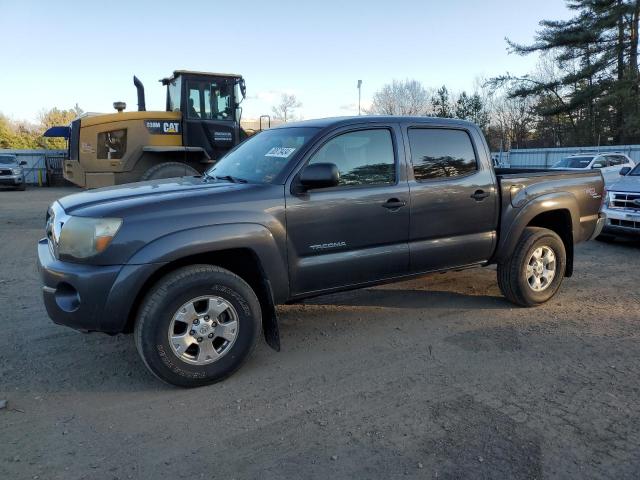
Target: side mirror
x: 320, y: 175
x: 23, y: 162
x: 625, y: 170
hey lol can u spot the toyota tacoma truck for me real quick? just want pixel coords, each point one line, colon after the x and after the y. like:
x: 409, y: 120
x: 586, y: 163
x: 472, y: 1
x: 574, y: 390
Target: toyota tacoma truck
x: 194, y: 266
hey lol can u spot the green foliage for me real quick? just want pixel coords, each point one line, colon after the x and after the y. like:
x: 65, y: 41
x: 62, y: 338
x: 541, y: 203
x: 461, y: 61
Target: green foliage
x: 22, y: 135
x: 441, y: 103
x: 472, y: 108
x: 593, y: 93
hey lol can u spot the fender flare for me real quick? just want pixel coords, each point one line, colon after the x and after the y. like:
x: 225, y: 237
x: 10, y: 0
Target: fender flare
x: 519, y: 218
x: 215, y: 238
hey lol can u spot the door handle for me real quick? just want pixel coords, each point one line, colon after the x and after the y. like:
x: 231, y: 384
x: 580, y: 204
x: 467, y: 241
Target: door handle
x: 479, y: 195
x: 394, y: 204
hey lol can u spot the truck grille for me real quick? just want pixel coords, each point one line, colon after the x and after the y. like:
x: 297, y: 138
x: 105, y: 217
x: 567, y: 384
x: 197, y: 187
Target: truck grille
x: 5, y: 172
x: 624, y: 223
x: 628, y: 201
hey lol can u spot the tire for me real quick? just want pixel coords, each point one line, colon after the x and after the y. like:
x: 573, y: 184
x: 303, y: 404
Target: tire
x: 518, y: 284
x: 169, y: 170
x: 162, y: 314
x: 22, y: 187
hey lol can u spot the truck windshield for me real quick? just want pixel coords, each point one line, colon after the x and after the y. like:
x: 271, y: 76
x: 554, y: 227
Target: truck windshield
x: 635, y: 172
x: 574, y: 162
x: 5, y: 160
x: 262, y: 157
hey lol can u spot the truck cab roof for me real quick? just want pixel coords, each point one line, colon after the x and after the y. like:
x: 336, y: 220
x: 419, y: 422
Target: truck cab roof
x: 364, y: 119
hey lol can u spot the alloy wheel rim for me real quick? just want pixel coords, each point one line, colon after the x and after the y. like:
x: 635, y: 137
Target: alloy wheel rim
x: 203, y: 330
x: 541, y: 268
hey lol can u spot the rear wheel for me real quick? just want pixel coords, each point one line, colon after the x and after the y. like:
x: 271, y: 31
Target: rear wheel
x: 169, y: 170
x: 533, y: 274
x: 197, y: 325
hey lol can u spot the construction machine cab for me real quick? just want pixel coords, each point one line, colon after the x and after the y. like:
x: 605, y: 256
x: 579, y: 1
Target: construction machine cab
x: 210, y: 107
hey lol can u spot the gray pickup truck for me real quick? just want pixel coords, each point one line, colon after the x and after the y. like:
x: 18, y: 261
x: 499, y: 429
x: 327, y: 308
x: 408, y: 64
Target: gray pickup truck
x: 194, y: 266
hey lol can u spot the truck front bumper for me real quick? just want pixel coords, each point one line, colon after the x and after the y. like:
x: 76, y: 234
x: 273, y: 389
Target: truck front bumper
x: 622, y: 221
x: 14, y: 180
x: 90, y: 298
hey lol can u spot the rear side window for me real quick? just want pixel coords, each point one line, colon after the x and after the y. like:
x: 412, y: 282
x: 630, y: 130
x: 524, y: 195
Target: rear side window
x: 616, y: 159
x: 441, y: 153
x: 364, y: 157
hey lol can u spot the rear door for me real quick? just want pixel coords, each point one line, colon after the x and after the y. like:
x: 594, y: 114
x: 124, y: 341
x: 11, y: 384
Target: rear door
x: 454, y: 202
x: 358, y: 231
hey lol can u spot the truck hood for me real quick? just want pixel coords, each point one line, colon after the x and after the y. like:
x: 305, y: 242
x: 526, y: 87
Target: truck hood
x: 626, y: 184
x: 152, y: 191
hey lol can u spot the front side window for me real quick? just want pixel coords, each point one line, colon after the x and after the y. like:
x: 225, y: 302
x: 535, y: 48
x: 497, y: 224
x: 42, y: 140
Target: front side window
x: 574, y: 162
x: 173, y: 95
x: 364, y: 157
x: 210, y: 100
x: 438, y: 153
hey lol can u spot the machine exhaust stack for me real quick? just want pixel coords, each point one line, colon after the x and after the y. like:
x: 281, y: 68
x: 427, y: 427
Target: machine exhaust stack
x: 140, y: 88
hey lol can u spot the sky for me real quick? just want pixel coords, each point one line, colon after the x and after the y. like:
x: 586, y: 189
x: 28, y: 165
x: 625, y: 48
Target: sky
x: 61, y: 53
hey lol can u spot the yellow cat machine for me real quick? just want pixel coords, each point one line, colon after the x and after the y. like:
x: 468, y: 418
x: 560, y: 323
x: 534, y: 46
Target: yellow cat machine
x: 200, y: 124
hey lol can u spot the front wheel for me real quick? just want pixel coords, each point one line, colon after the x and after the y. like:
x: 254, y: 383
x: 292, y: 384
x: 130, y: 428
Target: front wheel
x: 533, y: 274
x: 197, y: 325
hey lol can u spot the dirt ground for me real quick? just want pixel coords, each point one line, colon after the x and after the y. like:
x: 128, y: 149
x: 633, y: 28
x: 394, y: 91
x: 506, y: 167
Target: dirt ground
x: 433, y: 378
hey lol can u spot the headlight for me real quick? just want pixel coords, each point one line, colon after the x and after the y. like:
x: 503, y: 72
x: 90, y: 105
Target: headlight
x: 16, y: 171
x: 83, y: 237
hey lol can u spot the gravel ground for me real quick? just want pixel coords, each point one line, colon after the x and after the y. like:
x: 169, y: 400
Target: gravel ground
x: 438, y: 377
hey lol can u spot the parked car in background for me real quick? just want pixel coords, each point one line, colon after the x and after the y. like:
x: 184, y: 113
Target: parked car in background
x: 11, y: 171
x: 608, y: 163
x: 622, y: 204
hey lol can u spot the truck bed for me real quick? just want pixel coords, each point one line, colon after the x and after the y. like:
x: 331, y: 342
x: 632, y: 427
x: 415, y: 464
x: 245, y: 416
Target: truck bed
x: 583, y: 189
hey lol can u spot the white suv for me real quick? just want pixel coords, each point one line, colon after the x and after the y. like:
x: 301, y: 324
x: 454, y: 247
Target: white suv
x: 609, y: 164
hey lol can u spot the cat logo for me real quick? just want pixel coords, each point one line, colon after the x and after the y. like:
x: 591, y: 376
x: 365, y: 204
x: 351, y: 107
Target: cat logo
x: 162, y: 127
x: 170, y: 127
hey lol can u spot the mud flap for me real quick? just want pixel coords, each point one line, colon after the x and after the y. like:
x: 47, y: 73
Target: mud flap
x: 270, y: 318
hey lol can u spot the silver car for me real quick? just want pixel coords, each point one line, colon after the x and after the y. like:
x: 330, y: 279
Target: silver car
x: 11, y: 171
x: 622, y: 204
x: 608, y: 163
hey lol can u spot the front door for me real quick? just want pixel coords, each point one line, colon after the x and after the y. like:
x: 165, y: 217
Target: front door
x: 454, y: 202
x: 209, y: 119
x: 356, y: 232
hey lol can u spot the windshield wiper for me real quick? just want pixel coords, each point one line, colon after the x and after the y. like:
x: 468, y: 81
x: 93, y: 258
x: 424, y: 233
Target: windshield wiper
x: 228, y: 178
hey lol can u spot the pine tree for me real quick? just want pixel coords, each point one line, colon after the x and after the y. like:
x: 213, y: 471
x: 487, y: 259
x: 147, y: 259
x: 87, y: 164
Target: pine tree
x: 597, y: 53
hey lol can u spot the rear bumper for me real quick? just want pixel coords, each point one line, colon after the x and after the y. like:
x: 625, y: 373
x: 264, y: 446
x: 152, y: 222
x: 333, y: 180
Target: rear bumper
x: 90, y: 298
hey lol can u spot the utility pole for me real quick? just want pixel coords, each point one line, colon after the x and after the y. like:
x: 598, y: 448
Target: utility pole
x: 359, y: 94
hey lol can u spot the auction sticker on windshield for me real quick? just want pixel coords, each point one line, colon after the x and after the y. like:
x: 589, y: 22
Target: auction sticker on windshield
x: 282, y: 152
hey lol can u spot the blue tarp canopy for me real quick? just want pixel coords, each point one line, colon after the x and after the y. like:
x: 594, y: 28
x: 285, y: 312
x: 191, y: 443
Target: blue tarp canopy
x: 57, y: 132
